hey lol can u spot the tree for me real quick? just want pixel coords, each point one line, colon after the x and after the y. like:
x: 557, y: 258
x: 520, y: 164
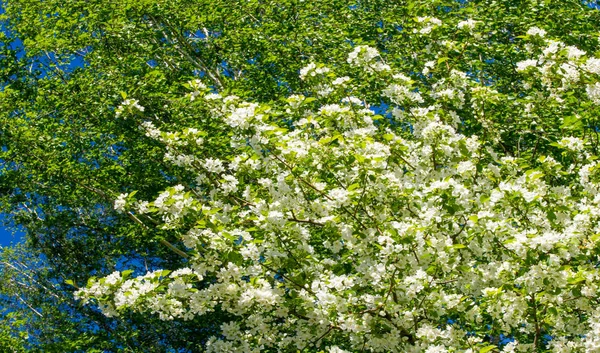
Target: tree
x: 474, y: 74
x: 331, y: 227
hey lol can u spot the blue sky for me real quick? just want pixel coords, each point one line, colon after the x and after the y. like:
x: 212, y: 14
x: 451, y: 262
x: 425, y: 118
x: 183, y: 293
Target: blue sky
x: 6, y: 236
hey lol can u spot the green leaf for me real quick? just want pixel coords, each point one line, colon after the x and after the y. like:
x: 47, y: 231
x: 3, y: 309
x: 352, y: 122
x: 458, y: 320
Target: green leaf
x: 575, y: 280
x: 487, y: 349
x: 353, y: 186
x: 572, y: 123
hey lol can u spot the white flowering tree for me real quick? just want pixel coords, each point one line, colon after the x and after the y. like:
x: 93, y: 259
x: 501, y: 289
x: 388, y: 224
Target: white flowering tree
x: 93, y: 97
x: 332, y: 228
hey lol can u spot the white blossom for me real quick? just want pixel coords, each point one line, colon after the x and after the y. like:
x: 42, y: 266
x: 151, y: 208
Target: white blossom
x: 467, y: 24
x: 593, y: 92
x: 535, y: 31
x: 128, y: 105
x: 120, y: 202
x: 523, y: 65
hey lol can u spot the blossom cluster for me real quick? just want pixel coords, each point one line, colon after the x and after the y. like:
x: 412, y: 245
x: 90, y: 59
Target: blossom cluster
x: 129, y: 105
x: 343, y: 231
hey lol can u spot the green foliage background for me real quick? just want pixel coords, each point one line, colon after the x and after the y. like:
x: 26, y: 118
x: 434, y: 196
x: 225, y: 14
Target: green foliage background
x: 66, y: 157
